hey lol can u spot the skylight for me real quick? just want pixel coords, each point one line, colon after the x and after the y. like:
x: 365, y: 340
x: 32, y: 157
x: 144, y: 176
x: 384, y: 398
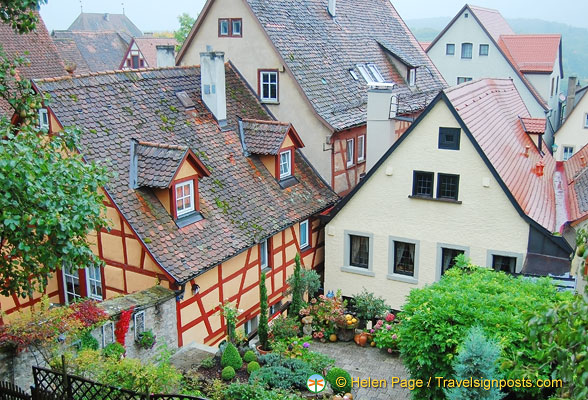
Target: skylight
x: 370, y: 73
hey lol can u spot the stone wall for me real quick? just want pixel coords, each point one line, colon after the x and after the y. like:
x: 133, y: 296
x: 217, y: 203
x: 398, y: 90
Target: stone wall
x: 159, y: 307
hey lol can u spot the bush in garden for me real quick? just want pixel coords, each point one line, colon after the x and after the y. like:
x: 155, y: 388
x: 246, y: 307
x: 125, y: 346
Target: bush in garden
x: 284, y: 327
x: 239, y: 391
x: 262, y: 328
x: 436, y: 319
x: 228, y: 373
x: 318, y: 362
x: 231, y: 357
x: 327, y: 313
x: 249, y: 356
x: 333, y: 375
x: 283, y: 373
x: 207, y: 363
x: 87, y: 341
x: 252, y: 366
x: 297, y: 290
x: 385, y: 334
x: 114, y: 350
x: 369, y: 306
x: 477, y: 360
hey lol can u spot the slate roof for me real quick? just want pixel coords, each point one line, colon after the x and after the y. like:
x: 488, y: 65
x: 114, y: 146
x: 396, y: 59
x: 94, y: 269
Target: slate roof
x: 157, y: 163
x: 320, y: 50
x: 264, y: 137
x: 105, y: 22
x: 531, y: 53
x: 534, y: 125
x: 36, y: 47
x: 148, y: 47
x: 91, y: 51
x: 241, y: 202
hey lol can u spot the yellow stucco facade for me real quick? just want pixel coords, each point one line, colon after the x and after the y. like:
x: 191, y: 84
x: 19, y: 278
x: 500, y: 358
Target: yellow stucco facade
x: 574, y: 132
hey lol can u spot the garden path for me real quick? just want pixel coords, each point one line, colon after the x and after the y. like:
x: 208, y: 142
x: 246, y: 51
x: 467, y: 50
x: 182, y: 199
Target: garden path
x: 367, y: 362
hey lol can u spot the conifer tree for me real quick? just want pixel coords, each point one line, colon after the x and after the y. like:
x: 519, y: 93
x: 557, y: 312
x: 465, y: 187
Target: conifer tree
x: 297, y: 290
x: 263, y: 327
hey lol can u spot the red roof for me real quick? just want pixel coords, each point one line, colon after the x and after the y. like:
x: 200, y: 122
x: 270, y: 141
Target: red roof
x: 425, y: 45
x: 491, y: 108
x: 493, y: 21
x: 531, y: 53
x: 576, y: 171
x: 534, y: 125
x: 148, y: 47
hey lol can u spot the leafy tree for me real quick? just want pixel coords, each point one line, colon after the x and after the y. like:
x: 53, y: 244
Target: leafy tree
x: 310, y: 282
x: 477, y: 360
x: 297, y: 290
x: 19, y: 14
x: 50, y: 200
x: 186, y: 23
x: 262, y: 329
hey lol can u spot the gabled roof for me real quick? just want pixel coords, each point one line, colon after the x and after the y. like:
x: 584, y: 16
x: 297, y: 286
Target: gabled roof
x: 105, y: 22
x: 576, y: 169
x: 36, y: 47
x: 319, y: 51
x: 492, y: 21
x: 534, y: 125
x: 148, y: 47
x: 241, y: 202
x: 267, y: 137
x: 91, y: 51
x: 488, y: 112
x: 532, y: 53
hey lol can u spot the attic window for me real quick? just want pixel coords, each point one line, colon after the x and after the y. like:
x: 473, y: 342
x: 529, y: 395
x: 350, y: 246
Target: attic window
x: 43, y: 118
x: 466, y: 15
x: 411, y: 76
x: 185, y: 100
x: 370, y: 73
x: 184, y: 198
x: 285, y: 164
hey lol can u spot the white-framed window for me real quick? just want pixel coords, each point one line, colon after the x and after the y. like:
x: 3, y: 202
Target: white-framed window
x: 184, y: 198
x: 251, y: 325
x: 466, y: 50
x: 94, y: 282
x: 411, y: 76
x: 304, y: 234
x: 370, y: 73
x: 275, y: 308
x: 264, y: 254
x: 71, y: 285
x: 450, y: 49
x: 223, y: 27
x: 350, y: 152
x: 568, y: 152
x: 285, y: 164
x: 108, y: 334
x: 236, y: 27
x: 43, y: 118
x: 139, y: 323
x: 375, y: 73
x: 586, y: 121
x: 268, y: 85
x: 361, y: 148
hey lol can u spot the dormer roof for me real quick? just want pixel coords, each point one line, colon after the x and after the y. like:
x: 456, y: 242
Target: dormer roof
x: 534, y: 125
x: 266, y: 137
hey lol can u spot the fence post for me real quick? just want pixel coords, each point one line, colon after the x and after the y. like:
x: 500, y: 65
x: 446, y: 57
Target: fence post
x: 67, y: 389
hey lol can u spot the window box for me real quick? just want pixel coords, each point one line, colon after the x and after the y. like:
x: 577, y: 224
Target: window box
x: 268, y: 86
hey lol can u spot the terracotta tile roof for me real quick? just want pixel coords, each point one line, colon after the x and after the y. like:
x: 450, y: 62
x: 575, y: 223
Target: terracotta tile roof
x: 36, y: 47
x: 241, y: 202
x: 531, y: 53
x: 264, y: 137
x: 576, y: 170
x: 425, y: 45
x: 157, y: 163
x: 534, y: 125
x: 320, y: 50
x: 148, y: 47
x: 493, y: 21
x: 491, y: 109
x: 91, y: 51
x: 104, y: 22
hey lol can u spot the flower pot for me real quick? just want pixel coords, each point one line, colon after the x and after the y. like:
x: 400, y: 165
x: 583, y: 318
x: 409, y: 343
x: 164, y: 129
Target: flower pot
x: 362, y: 340
x: 262, y: 352
x: 333, y: 337
x: 345, y: 335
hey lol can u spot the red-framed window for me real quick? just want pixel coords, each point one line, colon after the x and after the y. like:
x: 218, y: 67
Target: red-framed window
x: 230, y: 27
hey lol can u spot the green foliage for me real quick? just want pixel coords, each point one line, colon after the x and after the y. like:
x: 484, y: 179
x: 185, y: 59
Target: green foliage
x: 292, y: 347
x: 239, y: 391
x: 283, y: 373
x: 262, y: 328
x: 249, y: 356
x: 50, y: 200
x: 87, y: 341
x: 284, y: 327
x: 477, y: 360
x: 186, y: 23
x: 114, y: 350
x: 297, y: 290
x: 146, y: 340
x: 318, y: 362
x: 252, y: 367
x: 231, y: 357
x: 328, y: 315
x: 332, y: 376
x: 19, y: 14
x: 228, y: 373
x: 207, y: 363
x: 560, y: 336
x: 436, y: 319
x: 369, y: 306
x: 231, y: 314
x: 386, y: 335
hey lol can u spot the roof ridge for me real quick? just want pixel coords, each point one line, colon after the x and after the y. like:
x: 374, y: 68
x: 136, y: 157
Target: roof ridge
x: 519, y: 35
x: 263, y: 121
x: 484, y: 8
x: 163, y: 145
x: 113, y: 72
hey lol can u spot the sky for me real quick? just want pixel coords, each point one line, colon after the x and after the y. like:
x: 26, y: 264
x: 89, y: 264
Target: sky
x: 158, y: 15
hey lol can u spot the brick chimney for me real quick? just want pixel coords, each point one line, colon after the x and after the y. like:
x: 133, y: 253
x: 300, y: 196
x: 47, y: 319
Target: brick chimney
x: 212, y: 83
x: 381, y: 132
x: 331, y: 7
x: 165, y: 56
x: 571, y: 99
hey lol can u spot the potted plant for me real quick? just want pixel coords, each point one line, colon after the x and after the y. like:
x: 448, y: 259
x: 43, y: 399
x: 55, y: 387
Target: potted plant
x: 263, y: 327
x: 146, y: 340
x: 368, y: 307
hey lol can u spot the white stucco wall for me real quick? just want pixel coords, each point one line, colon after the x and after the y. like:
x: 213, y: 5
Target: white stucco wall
x: 573, y: 132
x: 485, y: 222
x: 494, y: 65
x: 254, y: 51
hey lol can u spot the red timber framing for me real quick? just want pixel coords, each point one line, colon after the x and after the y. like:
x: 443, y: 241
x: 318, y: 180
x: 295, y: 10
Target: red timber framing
x: 344, y: 176
x: 237, y: 280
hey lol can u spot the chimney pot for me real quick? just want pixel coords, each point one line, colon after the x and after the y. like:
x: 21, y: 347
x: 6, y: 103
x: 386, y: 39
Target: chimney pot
x: 583, y: 161
x: 539, y: 168
x: 571, y: 99
x: 212, y: 81
x: 527, y: 147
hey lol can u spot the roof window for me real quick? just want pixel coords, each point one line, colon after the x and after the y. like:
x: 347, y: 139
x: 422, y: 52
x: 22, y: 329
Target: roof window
x: 370, y: 73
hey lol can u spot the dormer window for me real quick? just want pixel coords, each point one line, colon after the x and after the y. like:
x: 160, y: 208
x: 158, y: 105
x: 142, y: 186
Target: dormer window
x: 184, y: 198
x: 412, y: 76
x: 43, y: 119
x: 285, y: 164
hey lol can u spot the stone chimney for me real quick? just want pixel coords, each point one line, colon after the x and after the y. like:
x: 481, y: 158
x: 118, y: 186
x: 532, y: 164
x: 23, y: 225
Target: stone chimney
x: 571, y: 99
x: 332, y: 7
x: 381, y: 132
x: 166, y: 56
x: 212, y: 83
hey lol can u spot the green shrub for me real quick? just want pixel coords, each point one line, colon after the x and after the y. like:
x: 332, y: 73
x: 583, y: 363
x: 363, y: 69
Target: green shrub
x: 318, y: 362
x: 114, y: 350
x: 332, y: 376
x: 239, y: 391
x: 87, y: 341
x: 477, y: 360
x: 284, y: 328
x: 252, y: 366
x: 207, y: 363
x: 228, y: 373
x: 146, y: 340
x: 231, y: 357
x: 368, y: 306
x: 263, y: 327
x: 386, y: 336
x: 249, y: 356
x: 436, y: 320
x: 283, y: 373
x: 297, y: 302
